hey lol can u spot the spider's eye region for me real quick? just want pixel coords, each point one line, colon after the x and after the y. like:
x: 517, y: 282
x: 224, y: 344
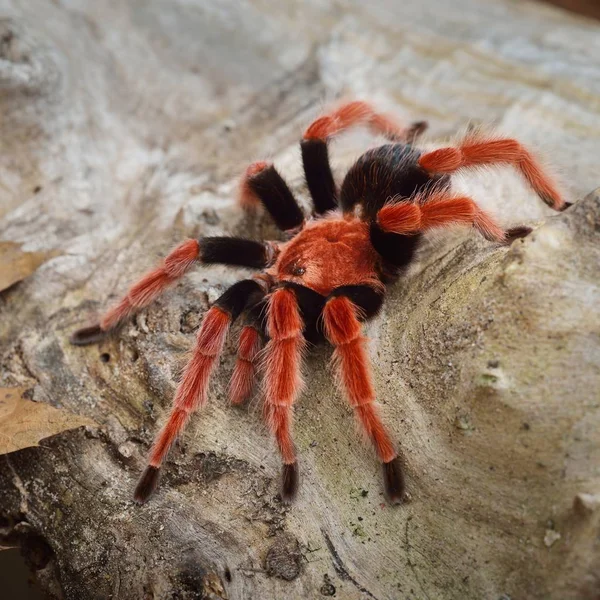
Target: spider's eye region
x: 298, y: 271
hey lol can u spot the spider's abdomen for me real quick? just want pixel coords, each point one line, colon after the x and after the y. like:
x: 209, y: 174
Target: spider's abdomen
x: 390, y: 171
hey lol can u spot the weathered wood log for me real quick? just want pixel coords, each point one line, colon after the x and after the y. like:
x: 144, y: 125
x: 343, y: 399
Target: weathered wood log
x: 123, y: 127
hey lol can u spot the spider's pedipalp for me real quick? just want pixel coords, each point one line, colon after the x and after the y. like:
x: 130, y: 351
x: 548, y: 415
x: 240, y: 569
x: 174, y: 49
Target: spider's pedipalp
x: 480, y: 151
x: 207, y: 250
x: 263, y: 184
x: 193, y: 387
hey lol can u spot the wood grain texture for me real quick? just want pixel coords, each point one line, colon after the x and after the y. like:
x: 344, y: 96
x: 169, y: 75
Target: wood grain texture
x: 123, y: 128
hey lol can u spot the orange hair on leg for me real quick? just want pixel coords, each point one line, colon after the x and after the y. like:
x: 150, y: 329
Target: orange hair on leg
x: 442, y: 209
x: 283, y: 378
x: 437, y: 210
x: 142, y: 293
x: 400, y: 218
x: 357, y: 113
x: 242, y: 379
x: 153, y: 283
x: 481, y: 151
x: 246, y: 197
x: 344, y: 331
x: 190, y: 395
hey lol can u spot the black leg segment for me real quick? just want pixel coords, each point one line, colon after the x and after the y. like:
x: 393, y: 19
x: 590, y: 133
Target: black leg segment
x: 235, y: 251
x: 240, y: 295
x: 270, y: 188
x: 319, y: 179
x: 368, y: 299
x: 396, y: 250
x: 311, y: 305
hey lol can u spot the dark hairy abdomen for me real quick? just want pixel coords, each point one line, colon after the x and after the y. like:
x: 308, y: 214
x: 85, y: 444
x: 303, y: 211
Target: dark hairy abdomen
x: 383, y: 173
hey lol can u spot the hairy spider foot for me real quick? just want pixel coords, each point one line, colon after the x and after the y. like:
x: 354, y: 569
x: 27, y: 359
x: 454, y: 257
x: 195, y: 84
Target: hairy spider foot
x: 147, y: 484
x: 393, y: 480
x: 515, y: 233
x: 416, y: 130
x: 566, y: 205
x: 289, y: 482
x: 88, y: 335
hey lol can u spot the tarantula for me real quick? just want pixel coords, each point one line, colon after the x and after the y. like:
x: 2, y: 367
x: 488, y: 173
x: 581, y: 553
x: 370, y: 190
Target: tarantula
x: 327, y: 279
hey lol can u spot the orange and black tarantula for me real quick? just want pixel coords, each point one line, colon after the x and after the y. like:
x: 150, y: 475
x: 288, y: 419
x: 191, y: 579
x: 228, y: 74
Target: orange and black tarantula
x: 327, y: 279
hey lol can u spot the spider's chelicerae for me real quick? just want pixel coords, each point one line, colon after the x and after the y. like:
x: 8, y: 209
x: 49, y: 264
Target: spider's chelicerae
x: 327, y: 278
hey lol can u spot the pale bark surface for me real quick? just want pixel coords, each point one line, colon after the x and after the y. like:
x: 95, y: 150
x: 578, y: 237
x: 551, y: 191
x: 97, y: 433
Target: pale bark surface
x: 123, y: 126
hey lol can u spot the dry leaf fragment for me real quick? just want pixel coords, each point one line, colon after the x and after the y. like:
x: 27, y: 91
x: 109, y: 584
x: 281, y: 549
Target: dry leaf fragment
x: 15, y: 264
x: 24, y: 423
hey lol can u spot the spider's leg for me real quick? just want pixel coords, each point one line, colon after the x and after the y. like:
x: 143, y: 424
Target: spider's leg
x: 262, y: 184
x: 318, y: 175
x: 356, y: 113
x: 344, y: 330
x: 315, y: 155
x: 250, y: 344
x: 441, y: 208
x: 192, y: 389
x: 283, y: 378
x: 208, y: 250
x: 479, y: 150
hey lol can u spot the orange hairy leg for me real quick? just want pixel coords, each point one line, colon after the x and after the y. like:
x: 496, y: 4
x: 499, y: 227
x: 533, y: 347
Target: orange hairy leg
x: 191, y: 394
x: 439, y: 209
x: 193, y: 387
x: 242, y: 379
x: 283, y: 378
x: 142, y: 293
x: 358, y: 113
x: 344, y: 331
x: 482, y: 151
x: 315, y: 152
x: 208, y: 250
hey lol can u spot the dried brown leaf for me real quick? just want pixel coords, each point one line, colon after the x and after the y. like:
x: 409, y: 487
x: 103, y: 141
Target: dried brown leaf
x: 24, y: 423
x: 15, y: 264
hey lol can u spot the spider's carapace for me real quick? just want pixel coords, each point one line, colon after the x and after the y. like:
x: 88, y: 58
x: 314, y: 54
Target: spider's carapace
x: 327, y: 254
x: 327, y: 278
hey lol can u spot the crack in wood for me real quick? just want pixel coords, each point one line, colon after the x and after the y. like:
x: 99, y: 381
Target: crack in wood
x: 341, y: 569
x: 411, y: 564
